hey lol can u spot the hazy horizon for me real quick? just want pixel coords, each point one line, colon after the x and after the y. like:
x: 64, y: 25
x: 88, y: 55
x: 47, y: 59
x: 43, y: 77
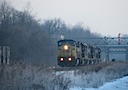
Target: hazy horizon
x: 107, y: 17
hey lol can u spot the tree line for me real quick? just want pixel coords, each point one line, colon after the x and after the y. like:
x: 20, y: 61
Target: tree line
x: 30, y: 40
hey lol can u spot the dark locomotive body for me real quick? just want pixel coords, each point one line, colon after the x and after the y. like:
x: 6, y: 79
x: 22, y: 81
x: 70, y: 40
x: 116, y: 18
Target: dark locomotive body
x: 72, y: 53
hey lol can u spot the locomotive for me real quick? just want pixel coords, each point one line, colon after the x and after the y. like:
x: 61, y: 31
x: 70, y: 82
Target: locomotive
x: 72, y: 53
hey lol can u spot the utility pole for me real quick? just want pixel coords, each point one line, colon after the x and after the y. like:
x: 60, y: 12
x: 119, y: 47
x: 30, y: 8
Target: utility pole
x: 119, y: 39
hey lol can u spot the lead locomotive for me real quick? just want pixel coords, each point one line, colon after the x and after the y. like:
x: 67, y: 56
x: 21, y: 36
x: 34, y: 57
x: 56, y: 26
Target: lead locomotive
x: 72, y: 53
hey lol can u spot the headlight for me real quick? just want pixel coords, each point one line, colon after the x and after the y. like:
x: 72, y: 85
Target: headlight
x: 61, y: 59
x: 66, y: 47
x: 69, y: 59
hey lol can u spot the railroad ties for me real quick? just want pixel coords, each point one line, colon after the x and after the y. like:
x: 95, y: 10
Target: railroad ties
x: 4, y: 54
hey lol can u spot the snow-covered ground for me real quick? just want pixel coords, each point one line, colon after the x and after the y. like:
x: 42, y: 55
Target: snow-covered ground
x: 38, y: 77
x: 119, y: 84
x: 107, y: 78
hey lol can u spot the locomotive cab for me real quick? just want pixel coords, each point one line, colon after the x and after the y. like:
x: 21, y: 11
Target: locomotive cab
x: 66, y: 52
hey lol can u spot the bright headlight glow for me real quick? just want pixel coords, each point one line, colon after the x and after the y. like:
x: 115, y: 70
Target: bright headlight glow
x: 66, y: 47
x: 69, y: 59
x: 61, y: 59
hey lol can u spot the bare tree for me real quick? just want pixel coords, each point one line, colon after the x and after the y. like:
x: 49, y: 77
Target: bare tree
x: 5, y: 13
x: 52, y: 26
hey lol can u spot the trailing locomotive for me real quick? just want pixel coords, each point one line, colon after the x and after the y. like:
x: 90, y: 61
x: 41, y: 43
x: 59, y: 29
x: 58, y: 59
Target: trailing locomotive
x: 72, y: 53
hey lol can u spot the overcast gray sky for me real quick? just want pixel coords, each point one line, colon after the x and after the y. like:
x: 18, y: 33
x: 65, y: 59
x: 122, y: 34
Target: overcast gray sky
x: 108, y: 17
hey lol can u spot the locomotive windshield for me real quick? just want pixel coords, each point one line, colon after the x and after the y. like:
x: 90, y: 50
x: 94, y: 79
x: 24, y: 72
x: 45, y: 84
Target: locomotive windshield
x: 68, y: 42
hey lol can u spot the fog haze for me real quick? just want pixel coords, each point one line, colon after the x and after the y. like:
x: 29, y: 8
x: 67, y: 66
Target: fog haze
x: 108, y: 17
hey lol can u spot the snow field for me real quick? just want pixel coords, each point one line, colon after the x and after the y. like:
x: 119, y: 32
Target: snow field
x: 119, y: 84
x: 37, y: 77
x: 95, y: 79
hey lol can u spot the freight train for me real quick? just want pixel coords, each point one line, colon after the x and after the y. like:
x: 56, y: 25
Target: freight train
x: 72, y: 53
